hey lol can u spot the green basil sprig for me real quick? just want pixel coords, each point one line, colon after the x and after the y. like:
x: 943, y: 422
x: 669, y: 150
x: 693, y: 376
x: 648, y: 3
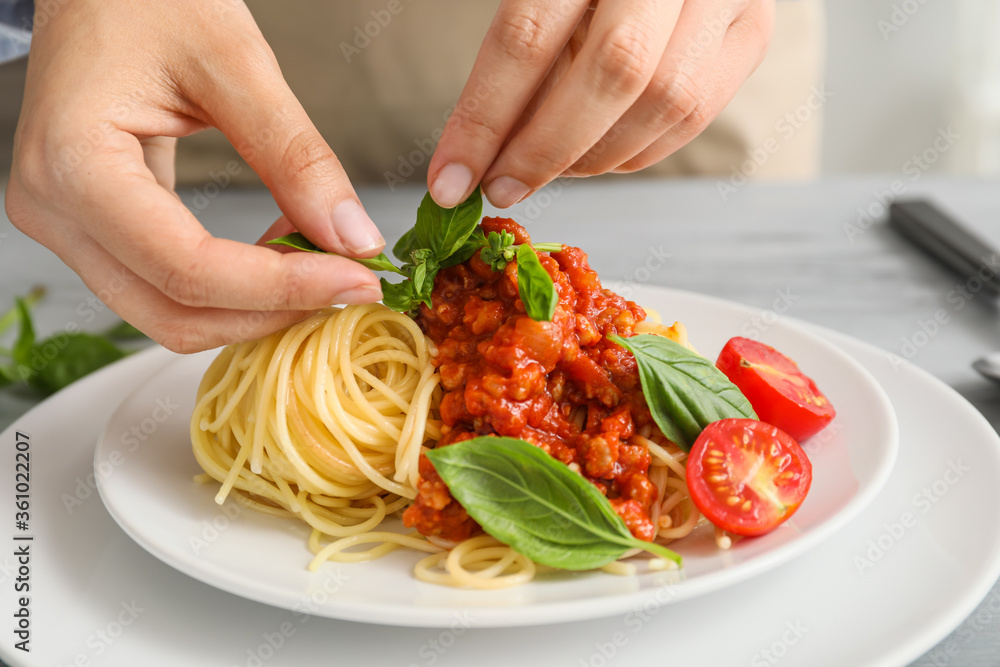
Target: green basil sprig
x: 500, y: 249
x: 525, y: 498
x: 685, y: 392
x: 444, y: 237
x: 441, y: 237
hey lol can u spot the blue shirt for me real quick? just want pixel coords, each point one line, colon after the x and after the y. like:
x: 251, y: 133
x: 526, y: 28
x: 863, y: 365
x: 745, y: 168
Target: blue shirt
x: 15, y: 28
x: 17, y: 13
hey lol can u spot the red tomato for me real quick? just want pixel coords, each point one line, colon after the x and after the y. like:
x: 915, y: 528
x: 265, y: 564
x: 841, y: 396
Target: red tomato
x: 779, y: 392
x: 747, y: 477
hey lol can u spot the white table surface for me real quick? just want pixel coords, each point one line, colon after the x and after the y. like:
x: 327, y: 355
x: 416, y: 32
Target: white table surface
x: 798, y: 249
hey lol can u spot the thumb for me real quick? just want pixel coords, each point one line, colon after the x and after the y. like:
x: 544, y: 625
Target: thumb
x: 252, y: 105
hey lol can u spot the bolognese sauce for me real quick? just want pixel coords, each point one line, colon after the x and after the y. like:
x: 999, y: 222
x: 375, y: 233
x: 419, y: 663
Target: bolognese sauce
x: 560, y: 385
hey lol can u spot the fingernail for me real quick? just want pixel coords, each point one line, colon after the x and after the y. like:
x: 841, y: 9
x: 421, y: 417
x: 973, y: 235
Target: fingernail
x: 506, y: 191
x: 451, y: 184
x: 360, y: 294
x: 354, y: 228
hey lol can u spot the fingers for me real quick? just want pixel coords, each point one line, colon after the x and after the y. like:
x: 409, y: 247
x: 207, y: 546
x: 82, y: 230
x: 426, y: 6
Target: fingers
x: 523, y: 41
x: 175, y: 326
x: 180, y: 326
x: 705, y: 62
x: 151, y: 233
x: 142, y: 252
x: 248, y: 99
x: 624, y: 44
x: 636, y: 80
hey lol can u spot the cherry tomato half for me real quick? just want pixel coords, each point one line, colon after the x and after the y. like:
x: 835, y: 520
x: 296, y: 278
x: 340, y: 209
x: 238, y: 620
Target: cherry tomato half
x: 779, y: 392
x: 747, y: 477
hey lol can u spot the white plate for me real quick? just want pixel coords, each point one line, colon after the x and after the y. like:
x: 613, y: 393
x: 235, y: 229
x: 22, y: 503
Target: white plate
x: 263, y: 558
x: 89, y: 579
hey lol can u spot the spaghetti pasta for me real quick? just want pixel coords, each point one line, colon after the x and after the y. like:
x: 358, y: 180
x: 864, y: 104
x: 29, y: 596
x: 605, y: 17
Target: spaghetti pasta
x: 327, y: 421
x: 323, y: 421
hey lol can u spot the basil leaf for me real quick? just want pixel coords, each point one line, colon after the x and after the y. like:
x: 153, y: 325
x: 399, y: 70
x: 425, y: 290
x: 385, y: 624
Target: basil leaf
x: 445, y: 230
x: 405, y: 246
x: 378, y: 263
x: 525, y: 498
x: 400, y: 297
x: 472, y: 244
x: 535, y: 286
x: 685, y: 392
x: 67, y: 357
x: 299, y: 242
x: 422, y: 275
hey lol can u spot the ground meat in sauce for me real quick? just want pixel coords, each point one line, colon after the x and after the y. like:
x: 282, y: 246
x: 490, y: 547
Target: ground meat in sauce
x: 560, y: 385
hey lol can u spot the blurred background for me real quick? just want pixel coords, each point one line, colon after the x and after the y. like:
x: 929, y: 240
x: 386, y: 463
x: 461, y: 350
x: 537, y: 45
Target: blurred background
x: 851, y: 86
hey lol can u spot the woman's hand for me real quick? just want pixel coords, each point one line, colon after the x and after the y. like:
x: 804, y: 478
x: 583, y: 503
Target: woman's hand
x: 577, y: 91
x: 110, y: 87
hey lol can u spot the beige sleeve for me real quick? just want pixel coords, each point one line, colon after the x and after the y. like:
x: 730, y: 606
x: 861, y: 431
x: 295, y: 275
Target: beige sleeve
x: 378, y: 78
